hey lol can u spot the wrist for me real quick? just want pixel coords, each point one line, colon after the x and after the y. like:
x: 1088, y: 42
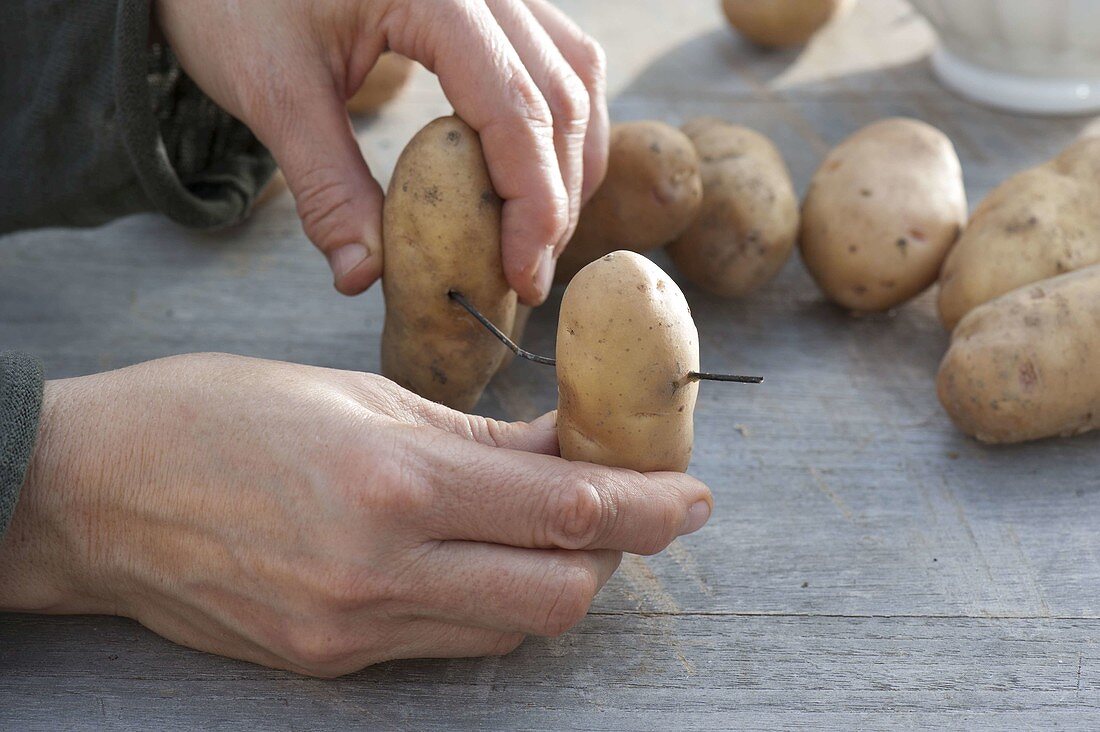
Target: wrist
x: 45, y: 555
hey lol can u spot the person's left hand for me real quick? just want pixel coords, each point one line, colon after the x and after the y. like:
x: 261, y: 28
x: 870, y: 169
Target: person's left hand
x: 518, y: 71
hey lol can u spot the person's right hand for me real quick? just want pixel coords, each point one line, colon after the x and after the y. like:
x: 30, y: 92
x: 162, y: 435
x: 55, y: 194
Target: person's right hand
x: 519, y: 72
x: 317, y: 520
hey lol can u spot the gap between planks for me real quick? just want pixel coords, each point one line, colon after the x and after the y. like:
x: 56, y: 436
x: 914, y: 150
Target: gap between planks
x: 833, y: 616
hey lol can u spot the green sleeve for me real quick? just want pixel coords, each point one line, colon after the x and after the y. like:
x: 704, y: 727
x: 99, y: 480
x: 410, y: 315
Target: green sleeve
x: 20, y: 402
x: 98, y: 123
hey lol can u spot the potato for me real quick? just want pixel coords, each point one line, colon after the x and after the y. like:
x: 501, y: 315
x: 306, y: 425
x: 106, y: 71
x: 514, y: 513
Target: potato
x: 1025, y: 365
x: 391, y: 73
x: 626, y: 344
x: 782, y: 22
x: 441, y: 231
x: 881, y: 213
x: 651, y: 194
x: 748, y: 221
x: 1038, y: 224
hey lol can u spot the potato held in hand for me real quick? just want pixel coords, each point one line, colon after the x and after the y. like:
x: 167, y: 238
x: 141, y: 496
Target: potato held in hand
x: 1027, y: 365
x: 391, y: 73
x: 441, y: 226
x: 626, y: 344
x: 748, y: 221
x: 881, y: 213
x: 782, y: 22
x: 1040, y: 223
x: 651, y: 194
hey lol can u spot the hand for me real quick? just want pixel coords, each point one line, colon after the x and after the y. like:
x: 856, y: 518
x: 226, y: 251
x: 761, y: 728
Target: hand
x: 317, y: 520
x: 517, y: 71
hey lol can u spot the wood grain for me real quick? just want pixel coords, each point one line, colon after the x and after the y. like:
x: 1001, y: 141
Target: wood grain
x: 866, y: 565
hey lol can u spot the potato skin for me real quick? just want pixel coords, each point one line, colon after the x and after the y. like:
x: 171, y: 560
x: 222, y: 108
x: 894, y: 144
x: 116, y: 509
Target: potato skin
x: 881, y: 213
x: 626, y: 343
x: 1038, y: 224
x: 441, y: 231
x: 748, y: 222
x: 391, y: 73
x: 777, y: 23
x: 1024, y: 366
x: 652, y: 192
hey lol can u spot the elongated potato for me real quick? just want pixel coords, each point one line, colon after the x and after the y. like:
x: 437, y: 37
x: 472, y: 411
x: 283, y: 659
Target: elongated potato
x: 626, y: 344
x: 1027, y: 364
x: 652, y: 192
x: 881, y: 213
x: 441, y: 227
x: 782, y: 22
x: 391, y: 73
x: 1038, y: 224
x: 748, y: 221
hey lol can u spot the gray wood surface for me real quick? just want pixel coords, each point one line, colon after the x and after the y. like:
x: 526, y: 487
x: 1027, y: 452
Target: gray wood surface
x: 866, y: 566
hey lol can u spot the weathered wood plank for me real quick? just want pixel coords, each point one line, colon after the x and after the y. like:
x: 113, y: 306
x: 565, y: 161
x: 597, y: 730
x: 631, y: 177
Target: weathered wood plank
x: 702, y: 672
x: 866, y: 565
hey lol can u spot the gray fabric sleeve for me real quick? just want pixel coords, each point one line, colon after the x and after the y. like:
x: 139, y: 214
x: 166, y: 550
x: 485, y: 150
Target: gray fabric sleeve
x: 99, y: 122
x: 20, y: 404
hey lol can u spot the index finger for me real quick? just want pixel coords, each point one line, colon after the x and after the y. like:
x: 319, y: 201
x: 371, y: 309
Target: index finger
x: 489, y: 88
x: 501, y: 496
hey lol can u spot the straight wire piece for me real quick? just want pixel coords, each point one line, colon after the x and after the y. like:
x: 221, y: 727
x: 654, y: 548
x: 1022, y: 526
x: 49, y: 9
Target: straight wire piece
x: 707, y: 376
x: 488, y: 324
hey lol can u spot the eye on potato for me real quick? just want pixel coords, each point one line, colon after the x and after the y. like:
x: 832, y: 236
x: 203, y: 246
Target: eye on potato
x: 748, y: 221
x: 626, y: 344
x: 441, y: 231
x: 1038, y: 224
x: 782, y: 22
x: 881, y: 213
x: 391, y: 73
x: 1026, y: 365
x: 651, y: 193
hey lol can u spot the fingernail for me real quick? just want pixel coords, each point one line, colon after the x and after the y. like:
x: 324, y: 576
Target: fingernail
x: 697, y: 515
x: 544, y: 273
x: 347, y: 258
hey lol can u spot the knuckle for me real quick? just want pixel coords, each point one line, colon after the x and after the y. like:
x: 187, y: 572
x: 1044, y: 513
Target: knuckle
x: 573, y: 595
x: 324, y: 204
x: 591, y: 62
x: 531, y: 107
x: 666, y: 528
x: 349, y: 591
x: 317, y: 649
x: 578, y: 514
x: 551, y: 225
x: 568, y: 101
x: 400, y: 497
x: 486, y: 430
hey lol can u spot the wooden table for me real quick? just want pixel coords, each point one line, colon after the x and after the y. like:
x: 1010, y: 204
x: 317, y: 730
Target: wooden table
x: 866, y: 565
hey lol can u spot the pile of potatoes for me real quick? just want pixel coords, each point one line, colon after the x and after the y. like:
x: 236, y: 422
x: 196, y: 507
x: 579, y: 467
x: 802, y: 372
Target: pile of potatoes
x: 1021, y: 294
x: 717, y: 194
x: 883, y: 218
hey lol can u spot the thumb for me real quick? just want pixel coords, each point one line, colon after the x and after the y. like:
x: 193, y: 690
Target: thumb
x: 338, y: 200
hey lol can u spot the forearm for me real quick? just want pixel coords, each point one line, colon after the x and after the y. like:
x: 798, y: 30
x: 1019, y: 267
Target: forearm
x: 21, y: 396
x: 43, y: 553
x: 100, y: 123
